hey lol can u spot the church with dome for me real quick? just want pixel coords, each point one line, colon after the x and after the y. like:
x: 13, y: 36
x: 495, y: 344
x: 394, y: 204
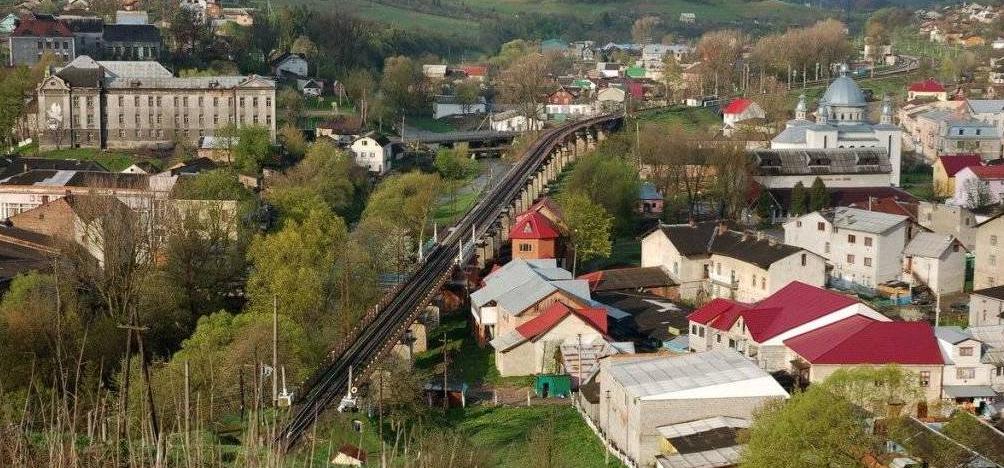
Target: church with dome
x: 840, y: 144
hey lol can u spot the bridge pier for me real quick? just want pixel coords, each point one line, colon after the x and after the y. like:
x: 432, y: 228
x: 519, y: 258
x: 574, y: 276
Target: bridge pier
x: 601, y: 134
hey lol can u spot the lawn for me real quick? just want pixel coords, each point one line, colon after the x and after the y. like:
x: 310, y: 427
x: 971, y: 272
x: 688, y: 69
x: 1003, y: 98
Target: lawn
x: 449, y: 211
x: 468, y: 361
x: 111, y: 160
x: 430, y: 124
x: 919, y: 183
x: 691, y: 118
x: 625, y: 251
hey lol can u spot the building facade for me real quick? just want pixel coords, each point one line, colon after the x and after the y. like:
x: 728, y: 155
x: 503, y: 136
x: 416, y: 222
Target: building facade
x: 38, y: 35
x: 132, y: 42
x: 989, y: 269
x: 128, y: 105
x: 986, y: 307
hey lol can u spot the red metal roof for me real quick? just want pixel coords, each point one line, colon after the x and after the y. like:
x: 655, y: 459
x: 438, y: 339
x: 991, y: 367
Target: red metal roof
x: 929, y: 85
x: 38, y: 27
x: 793, y: 305
x: 890, y: 205
x: 594, y: 317
x: 988, y: 172
x: 737, y: 106
x: 953, y: 163
x: 533, y: 225
x: 862, y: 340
x: 474, y: 70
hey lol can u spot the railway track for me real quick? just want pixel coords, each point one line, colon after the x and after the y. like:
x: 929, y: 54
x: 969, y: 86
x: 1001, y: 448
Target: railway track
x: 381, y: 328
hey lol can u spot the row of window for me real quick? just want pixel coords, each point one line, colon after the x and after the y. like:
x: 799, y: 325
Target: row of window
x: 53, y: 45
x: 851, y: 259
x: 150, y: 100
x: 178, y: 120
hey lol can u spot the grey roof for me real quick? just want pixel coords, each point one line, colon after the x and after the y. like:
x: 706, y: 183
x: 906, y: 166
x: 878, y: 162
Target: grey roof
x: 727, y: 456
x: 986, y: 106
x: 768, y: 161
x: 792, y: 134
x: 995, y: 292
x: 969, y: 391
x: 929, y: 245
x: 865, y: 221
x: 514, y: 274
x: 990, y: 335
x: 505, y: 342
x: 135, y: 68
x: 936, y: 115
x: 662, y: 376
x: 700, y: 425
x: 844, y: 92
x: 199, y: 82
x: 131, y: 33
x: 953, y: 335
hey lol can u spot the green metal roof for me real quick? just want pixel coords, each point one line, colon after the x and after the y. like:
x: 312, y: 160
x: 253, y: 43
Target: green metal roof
x: 635, y: 72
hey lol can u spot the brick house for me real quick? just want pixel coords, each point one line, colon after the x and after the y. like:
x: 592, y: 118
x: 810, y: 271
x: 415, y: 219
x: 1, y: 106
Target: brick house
x: 534, y: 237
x: 945, y: 168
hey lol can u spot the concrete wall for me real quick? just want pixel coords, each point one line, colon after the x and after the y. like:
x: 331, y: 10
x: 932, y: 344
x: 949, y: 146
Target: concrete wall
x: 989, y: 269
x: 656, y: 250
x: 984, y: 310
x: 948, y: 219
x: 932, y: 392
x: 26, y: 51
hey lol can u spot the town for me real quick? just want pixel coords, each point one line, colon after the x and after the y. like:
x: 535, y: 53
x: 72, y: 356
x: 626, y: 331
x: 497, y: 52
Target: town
x: 432, y: 233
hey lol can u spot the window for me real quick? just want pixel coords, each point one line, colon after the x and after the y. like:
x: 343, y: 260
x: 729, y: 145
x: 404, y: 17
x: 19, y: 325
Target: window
x: 868, y: 261
x: 820, y: 226
x: 925, y: 378
x: 992, y: 259
x: 993, y: 240
x: 676, y: 267
x: 135, y: 101
x: 798, y: 224
x: 242, y: 102
x: 850, y: 259
x: 525, y: 247
x: 149, y: 101
x: 718, y: 337
x: 700, y: 332
x: 826, y: 248
x: 732, y: 343
x: 851, y: 239
x: 121, y: 101
x: 693, y: 329
x: 254, y: 101
x: 254, y: 118
x: 803, y: 259
x: 965, y: 372
x: 216, y: 102
x: 216, y: 119
x: 966, y: 351
x: 176, y: 101
x: 868, y: 241
x: 763, y: 282
x: 158, y: 101
x: 184, y: 101
x: 200, y: 101
x: 121, y: 119
x: 268, y: 102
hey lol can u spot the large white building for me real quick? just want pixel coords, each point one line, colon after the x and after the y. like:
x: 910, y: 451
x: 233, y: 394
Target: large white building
x: 841, y: 122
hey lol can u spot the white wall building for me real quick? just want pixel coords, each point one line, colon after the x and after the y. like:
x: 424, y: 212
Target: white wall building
x: 373, y: 152
x: 935, y: 260
x: 966, y: 378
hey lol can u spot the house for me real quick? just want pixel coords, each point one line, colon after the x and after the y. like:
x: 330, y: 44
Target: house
x: 608, y: 69
x: 132, y: 42
x: 979, y: 186
x: 36, y: 187
x: 739, y: 110
x: 989, y: 111
x: 863, y: 247
x: 72, y: 219
x: 374, y: 152
x: 860, y: 340
x: 476, y: 72
x: 651, y: 322
x: 710, y: 259
x: 967, y: 377
x: 992, y: 337
x: 88, y: 33
x: 688, y: 18
x: 142, y: 167
x: 529, y: 349
x: 434, y: 71
x: 217, y: 148
x: 131, y: 17
x: 937, y: 261
x: 929, y: 88
x: 448, y: 106
x: 520, y: 290
x: 514, y: 121
x: 758, y: 329
x: 969, y: 135
x: 349, y: 455
x: 650, y: 200
x: 986, y: 307
x: 534, y: 236
x: 343, y: 129
x: 837, y: 168
x: 989, y: 269
x: 650, y: 280
x: 639, y: 394
x: 945, y: 168
x: 288, y: 63
x: 561, y: 96
x: 38, y: 34
x: 952, y: 220
x: 310, y: 86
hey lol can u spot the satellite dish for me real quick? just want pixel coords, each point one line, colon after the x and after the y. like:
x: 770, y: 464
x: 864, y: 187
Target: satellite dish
x: 354, y: 390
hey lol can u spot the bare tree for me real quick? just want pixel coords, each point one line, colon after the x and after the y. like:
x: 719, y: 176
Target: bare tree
x: 524, y: 83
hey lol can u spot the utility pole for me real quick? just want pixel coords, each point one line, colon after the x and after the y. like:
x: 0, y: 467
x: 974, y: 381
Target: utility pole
x: 446, y: 364
x: 275, y: 349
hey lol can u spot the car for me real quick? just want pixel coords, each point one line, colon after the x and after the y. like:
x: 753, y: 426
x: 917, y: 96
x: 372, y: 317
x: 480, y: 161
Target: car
x: 960, y: 306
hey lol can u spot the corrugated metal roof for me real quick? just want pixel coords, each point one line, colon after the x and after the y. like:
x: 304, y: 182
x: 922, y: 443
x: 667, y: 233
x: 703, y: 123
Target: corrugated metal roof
x: 514, y: 274
x: 728, y: 456
x: 952, y: 335
x: 821, y: 161
x: 700, y: 425
x: 693, y: 375
x: 865, y: 221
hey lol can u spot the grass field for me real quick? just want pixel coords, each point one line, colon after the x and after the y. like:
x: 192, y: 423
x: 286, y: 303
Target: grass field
x: 113, y: 161
x: 691, y: 118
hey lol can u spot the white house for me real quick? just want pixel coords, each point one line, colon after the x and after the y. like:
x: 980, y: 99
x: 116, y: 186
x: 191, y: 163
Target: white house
x: 310, y: 87
x: 935, y: 260
x: 978, y: 186
x: 865, y: 248
x: 711, y: 260
x: 373, y: 152
x: 967, y: 378
x: 513, y: 121
x: 741, y: 109
x: 434, y: 71
x: 986, y: 307
x: 447, y: 106
x: 290, y: 64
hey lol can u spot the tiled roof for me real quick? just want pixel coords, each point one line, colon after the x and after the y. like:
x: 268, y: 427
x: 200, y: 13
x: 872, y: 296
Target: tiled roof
x: 737, y: 106
x: 862, y: 340
x: 889, y: 205
x: 628, y: 278
x: 957, y: 162
x: 857, y: 196
x: 929, y: 85
x: 988, y: 172
x: 533, y: 225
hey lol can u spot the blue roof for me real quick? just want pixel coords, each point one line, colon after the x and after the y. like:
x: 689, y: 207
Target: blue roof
x: 647, y: 191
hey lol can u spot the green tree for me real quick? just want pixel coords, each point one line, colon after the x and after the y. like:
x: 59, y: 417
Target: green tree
x: 294, y: 265
x: 799, y: 201
x: 290, y: 101
x: 971, y: 432
x: 327, y: 173
x: 589, y: 227
x: 764, y: 205
x: 403, y: 86
x: 292, y: 139
x: 455, y: 166
x: 819, y: 197
x: 468, y: 92
x: 406, y: 200
x: 252, y: 149
x: 610, y: 181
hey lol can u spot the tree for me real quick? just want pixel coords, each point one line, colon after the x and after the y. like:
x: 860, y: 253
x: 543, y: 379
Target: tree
x: 292, y: 139
x: 812, y: 429
x: 799, y: 202
x: 405, y: 200
x: 733, y: 171
x: 720, y: 51
x: 404, y: 86
x: 326, y: 173
x: 589, y: 227
x: 819, y: 197
x: 524, y: 83
x: 360, y: 88
x: 291, y: 103
x: 304, y: 46
x: 455, y: 166
x: 513, y: 50
x: 467, y: 93
x: 253, y: 148
x: 977, y: 193
x: 875, y: 388
x: 610, y: 181
x: 672, y: 76
x: 764, y: 205
x: 643, y: 30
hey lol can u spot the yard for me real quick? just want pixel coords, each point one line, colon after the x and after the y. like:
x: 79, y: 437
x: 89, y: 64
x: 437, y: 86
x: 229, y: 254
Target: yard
x: 691, y: 118
x: 112, y: 160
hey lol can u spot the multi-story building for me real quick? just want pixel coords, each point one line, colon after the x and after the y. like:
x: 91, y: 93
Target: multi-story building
x: 945, y: 168
x: 864, y: 247
x: 979, y: 186
x: 87, y: 31
x: 37, y: 35
x: 711, y: 260
x: 935, y: 260
x: 948, y: 219
x: 967, y: 376
x: 132, y: 42
x: 986, y: 307
x: 989, y: 269
x: 122, y: 104
x: 990, y: 111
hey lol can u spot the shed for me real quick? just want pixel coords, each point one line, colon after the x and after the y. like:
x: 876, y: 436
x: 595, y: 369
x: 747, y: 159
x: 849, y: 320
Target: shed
x: 349, y: 455
x: 552, y: 385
